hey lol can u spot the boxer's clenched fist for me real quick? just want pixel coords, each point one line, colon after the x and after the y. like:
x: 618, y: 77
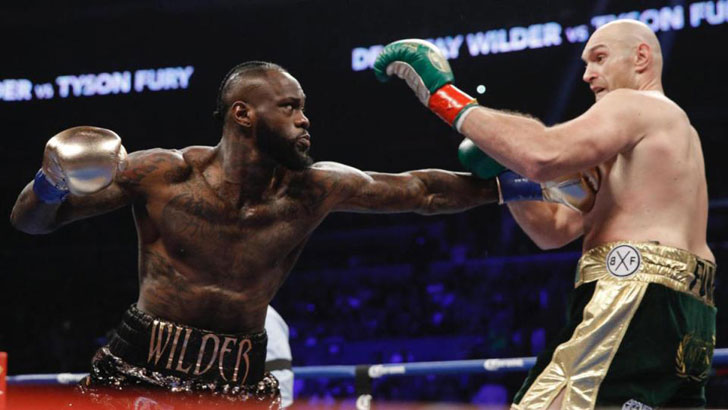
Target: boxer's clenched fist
x: 427, y: 72
x: 79, y: 160
x: 475, y: 160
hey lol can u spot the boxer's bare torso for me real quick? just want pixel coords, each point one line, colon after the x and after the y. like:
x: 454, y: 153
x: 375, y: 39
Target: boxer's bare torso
x: 203, y: 259
x: 212, y: 254
x: 655, y: 190
x: 652, y: 190
x: 653, y: 185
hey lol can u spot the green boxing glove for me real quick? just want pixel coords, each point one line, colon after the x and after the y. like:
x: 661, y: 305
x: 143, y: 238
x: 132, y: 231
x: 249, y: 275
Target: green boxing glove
x: 427, y: 72
x: 475, y: 160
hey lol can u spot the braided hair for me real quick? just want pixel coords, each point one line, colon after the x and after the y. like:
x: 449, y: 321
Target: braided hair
x: 236, y: 73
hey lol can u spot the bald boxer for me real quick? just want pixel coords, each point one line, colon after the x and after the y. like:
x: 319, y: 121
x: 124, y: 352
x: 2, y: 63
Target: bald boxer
x: 641, y: 327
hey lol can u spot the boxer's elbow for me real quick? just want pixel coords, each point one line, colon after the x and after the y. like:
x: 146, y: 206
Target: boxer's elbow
x: 540, y: 166
x: 17, y: 221
x: 551, y: 239
x: 539, y: 161
x: 548, y: 243
x: 22, y: 220
x: 35, y: 231
x: 29, y: 227
x: 14, y: 222
x: 562, y: 228
x: 568, y: 226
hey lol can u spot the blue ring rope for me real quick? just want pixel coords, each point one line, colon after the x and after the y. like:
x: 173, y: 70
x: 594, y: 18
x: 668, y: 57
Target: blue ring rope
x: 518, y: 364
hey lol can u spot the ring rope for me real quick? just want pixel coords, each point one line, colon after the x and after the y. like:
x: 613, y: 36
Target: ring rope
x: 503, y: 365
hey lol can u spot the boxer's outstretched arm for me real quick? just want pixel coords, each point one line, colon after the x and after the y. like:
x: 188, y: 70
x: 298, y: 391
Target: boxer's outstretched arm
x: 429, y: 191
x: 549, y: 225
x: 612, y: 125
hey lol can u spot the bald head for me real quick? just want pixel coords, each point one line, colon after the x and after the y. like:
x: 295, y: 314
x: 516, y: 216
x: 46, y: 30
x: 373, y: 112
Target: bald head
x: 630, y: 34
x: 623, y: 54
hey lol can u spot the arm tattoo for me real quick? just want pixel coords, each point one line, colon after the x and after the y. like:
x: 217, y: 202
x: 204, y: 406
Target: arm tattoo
x: 138, y: 171
x: 448, y: 192
x: 313, y: 191
x: 425, y: 192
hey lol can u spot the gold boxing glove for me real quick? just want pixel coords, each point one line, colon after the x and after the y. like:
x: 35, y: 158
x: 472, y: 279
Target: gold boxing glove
x: 82, y: 160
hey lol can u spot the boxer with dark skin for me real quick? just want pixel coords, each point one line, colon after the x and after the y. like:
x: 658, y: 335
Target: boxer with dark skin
x: 220, y: 228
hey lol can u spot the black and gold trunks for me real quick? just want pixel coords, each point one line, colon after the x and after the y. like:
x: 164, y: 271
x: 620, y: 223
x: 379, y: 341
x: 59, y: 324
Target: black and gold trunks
x: 640, y: 332
x: 153, y: 354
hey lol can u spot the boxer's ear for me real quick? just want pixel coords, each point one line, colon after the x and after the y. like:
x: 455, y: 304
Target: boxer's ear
x: 643, y: 58
x: 243, y: 114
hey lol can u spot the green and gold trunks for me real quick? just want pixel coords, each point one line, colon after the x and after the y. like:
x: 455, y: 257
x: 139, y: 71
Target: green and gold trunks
x: 640, y: 333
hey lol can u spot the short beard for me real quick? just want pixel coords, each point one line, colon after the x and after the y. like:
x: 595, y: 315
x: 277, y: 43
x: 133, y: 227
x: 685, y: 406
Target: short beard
x: 282, y: 151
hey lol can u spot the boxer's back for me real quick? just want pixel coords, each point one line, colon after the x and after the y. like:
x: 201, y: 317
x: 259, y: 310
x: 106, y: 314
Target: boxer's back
x: 656, y: 190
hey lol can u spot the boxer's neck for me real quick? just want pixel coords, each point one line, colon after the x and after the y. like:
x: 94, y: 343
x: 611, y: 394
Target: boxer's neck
x: 249, y: 176
x: 651, y: 84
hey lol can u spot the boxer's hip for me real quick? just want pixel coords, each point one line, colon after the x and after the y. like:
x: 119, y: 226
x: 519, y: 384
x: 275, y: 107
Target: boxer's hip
x: 647, y: 262
x: 186, y: 352
x: 637, y: 309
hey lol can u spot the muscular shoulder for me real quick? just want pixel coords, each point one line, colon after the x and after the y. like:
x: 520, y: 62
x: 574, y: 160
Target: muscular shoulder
x: 198, y: 156
x: 339, y: 174
x: 153, y: 166
x: 642, y: 105
x: 336, y: 168
x: 328, y: 183
x: 330, y: 180
x: 640, y: 113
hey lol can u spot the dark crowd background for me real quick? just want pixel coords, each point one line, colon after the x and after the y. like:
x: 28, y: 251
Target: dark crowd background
x: 368, y: 288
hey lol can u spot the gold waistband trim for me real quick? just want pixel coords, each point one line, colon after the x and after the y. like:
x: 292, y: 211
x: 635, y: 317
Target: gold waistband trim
x: 648, y: 262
